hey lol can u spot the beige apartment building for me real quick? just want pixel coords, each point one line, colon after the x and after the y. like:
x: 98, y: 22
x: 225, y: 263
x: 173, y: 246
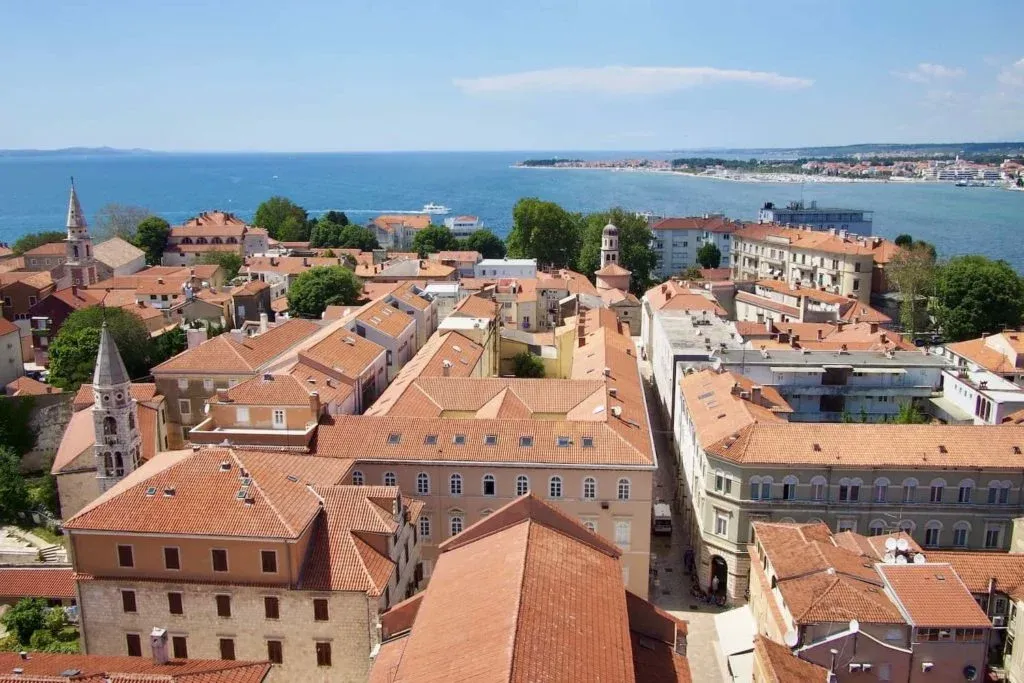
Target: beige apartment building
x: 832, y: 261
x: 741, y: 461
x: 245, y: 555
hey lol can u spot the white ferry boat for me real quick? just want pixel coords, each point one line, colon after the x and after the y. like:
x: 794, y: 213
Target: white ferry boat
x: 437, y: 209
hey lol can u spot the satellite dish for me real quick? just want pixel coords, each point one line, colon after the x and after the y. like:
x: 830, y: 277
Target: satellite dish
x: 919, y: 559
x: 901, y: 559
x: 791, y: 638
x: 902, y: 544
x: 889, y: 558
x: 890, y: 543
x: 854, y: 626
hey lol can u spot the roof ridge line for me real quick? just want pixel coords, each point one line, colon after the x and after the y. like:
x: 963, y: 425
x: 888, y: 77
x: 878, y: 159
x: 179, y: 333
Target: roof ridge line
x: 265, y: 496
x: 519, y: 598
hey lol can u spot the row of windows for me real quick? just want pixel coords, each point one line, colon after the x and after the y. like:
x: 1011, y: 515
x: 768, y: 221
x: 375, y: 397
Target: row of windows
x: 213, y: 240
x: 489, y: 485
x: 218, y: 558
x: 395, y: 439
x: 849, y: 489
x: 275, y: 649
x: 271, y: 605
x: 933, y: 531
x: 457, y: 522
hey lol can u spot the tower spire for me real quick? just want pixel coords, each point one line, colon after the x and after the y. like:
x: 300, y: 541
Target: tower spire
x: 110, y: 370
x: 76, y: 219
x: 118, y: 445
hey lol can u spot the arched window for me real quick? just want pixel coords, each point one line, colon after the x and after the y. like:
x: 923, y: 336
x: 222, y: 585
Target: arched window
x: 425, y: 526
x: 131, y: 420
x: 590, y: 524
x: 555, y: 487
x: 109, y: 426
x: 876, y: 527
x: 108, y: 464
x: 200, y: 240
x: 961, y: 534
x: 819, y: 484
x: 789, y: 487
x: 623, y: 489
x: 490, y: 485
x: 455, y: 523
x: 909, y: 490
x: 965, y: 492
x: 423, y: 483
x: 935, y: 490
x: 589, y: 488
x: 932, y: 533
x: 232, y: 240
x: 907, y: 525
x: 455, y: 484
x: 118, y: 464
x: 787, y: 520
x: 357, y: 478
x: 881, y: 490
x: 522, y: 485
x: 186, y: 240
x: 849, y: 490
x: 390, y: 479
x: 485, y: 512
x: 998, y: 492
x: 216, y: 240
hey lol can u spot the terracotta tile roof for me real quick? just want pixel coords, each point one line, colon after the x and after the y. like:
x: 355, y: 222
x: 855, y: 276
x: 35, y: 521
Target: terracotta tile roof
x: 331, y: 388
x: 407, y: 292
x: 716, y: 274
x: 388, y: 222
x: 223, y: 355
x: 345, y: 353
x: 872, y: 546
x: 203, y: 248
x: 476, y: 284
x: 1014, y: 418
x: 40, y: 280
x: 476, y: 307
x: 387, y: 319
x: 613, y: 269
x: 400, y: 618
x: 862, y: 336
x: 48, y: 249
x: 378, y: 290
x: 46, y: 666
x: 266, y: 390
x: 80, y: 434
x: 279, y: 305
x: 209, y: 224
x: 12, y: 264
x: 717, y: 414
x: 26, y: 386
x: 612, y: 297
x: 117, y: 252
x: 7, y: 327
x: 765, y: 302
x: 205, y: 498
x: 341, y: 559
x: 37, y: 582
x: 672, y: 295
x: 780, y: 665
x: 983, y: 352
x: 933, y: 596
x: 709, y: 224
x: 502, y: 606
x: 563, y: 278
x: 859, y: 312
x: 459, y: 256
x: 977, y: 569
x: 815, y: 240
x: 250, y: 288
x: 77, y: 297
x: 79, y: 437
x: 289, y: 265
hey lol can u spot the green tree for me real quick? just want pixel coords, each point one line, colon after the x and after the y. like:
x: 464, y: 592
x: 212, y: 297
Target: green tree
x: 336, y: 217
x: 635, y: 252
x: 13, y: 491
x: 357, y: 237
x: 544, y: 231
x: 526, y: 364
x: 903, y: 240
x: 432, y: 239
x: 73, y: 351
x: 317, y: 288
x: 709, y: 255
x: 119, y: 220
x: 42, y: 494
x: 26, y: 617
x: 484, y: 241
x: 692, y: 273
x: 37, y: 239
x: 975, y: 294
x: 169, y: 344
x: 151, y: 237
x: 912, y: 272
x: 909, y: 415
x: 230, y: 261
x: 16, y: 431
x: 283, y: 219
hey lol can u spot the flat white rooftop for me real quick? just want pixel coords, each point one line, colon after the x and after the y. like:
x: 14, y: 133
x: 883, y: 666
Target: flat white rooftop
x: 508, y: 262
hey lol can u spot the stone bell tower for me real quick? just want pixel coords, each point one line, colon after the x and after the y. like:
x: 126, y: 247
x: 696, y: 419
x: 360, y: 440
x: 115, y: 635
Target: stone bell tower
x: 79, y: 261
x: 115, y: 415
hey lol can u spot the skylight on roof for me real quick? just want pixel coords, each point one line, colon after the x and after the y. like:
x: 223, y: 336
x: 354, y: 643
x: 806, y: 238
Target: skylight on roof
x: 526, y: 441
x: 459, y: 439
x: 430, y: 440
x: 457, y: 348
x: 563, y: 441
x: 491, y: 440
x: 588, y: 442
x: 151, y: 491
x: 394, y: 439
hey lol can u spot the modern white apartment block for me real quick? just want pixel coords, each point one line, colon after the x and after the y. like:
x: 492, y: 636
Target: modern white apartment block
x: 977, y: 396
x: 677, y: 241
x: 506, y: 267
x: 463, y: 226
x: 818, y: 218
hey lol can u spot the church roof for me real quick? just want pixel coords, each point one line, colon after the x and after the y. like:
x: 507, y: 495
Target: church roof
x: 613, y: 269
x: 110, y: 368
x: 76, y: 217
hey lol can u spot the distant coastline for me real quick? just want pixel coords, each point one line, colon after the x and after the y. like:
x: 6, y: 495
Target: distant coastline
x: 69, y: 151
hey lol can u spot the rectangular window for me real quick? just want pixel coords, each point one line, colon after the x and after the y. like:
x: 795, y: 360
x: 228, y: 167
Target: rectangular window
x: 242, y: 415
x: 219, y: 557
x: 960, y: 537
x: 208, y: 384
x: 174, y: 603
x: 909, y: 493
x: 854, y: 493
x: 721, y: 523
x: 818, y: 491
x: 965, y: 495
x: 223, y: 605
x: 183, y: 385
x: 271, y: 607
x: 856, y: 285
x: 323, y: 654
x: 179, y: 647
x: 844, y: 492
x: 488, y: 487
x: 846, y: 525
x: 993, y: 535
x: 881, y: 493
x: 278, y: 418
x: 227, y: 648
x: 275, y: 652
x: 320, y: 611
x: 269, y: 560
x: 184, y: 407
x: 935, y: 495
x: 128, y: 601
x: 134, y: 644
x: 789, y: 491
x: 125, y: 556
x: 931, y: 537
x: 172, y: 559
x: 622, y: 533
x: 719, y: 481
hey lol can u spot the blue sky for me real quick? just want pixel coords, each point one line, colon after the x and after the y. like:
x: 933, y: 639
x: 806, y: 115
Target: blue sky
x: 338, y: 75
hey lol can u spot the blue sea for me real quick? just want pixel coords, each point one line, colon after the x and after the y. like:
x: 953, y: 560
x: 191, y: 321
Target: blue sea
x: 33, y: 192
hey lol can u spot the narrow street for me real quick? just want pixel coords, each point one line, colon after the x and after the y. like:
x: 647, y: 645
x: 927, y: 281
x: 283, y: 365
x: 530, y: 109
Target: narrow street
x: 670, y: 583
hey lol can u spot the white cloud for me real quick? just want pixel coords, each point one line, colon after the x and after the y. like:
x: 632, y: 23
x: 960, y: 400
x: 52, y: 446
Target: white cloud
x: 1013, y: 75
x: 927, y: 73
x: 623, y: 80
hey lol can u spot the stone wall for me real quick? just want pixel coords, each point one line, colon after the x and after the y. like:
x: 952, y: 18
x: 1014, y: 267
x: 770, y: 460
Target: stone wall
x: 50, y: 417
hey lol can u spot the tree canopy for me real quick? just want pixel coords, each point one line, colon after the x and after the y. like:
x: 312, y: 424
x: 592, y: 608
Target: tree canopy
x: 35, y: 626
x: 73, y: 350
x: 484, y: 241
x: 709, y: 255
x: 331, y: 232
x: 635, y: 252
x: 283, y: 219
x: 118, y: 220
x: 317, y: 288
x: 13, y: 492
x: 526, y: 364
x: 912, y: 272
x: 151, y: 237
x: 974, y: 294
x: 337, y: 217
x: 37, y: 239
x: 544, y: 231
x: 230, y: 261
x: 16, y: 430
x: 432, y: 239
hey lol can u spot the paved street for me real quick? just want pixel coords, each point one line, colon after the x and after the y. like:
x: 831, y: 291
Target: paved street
x: 670, y: 589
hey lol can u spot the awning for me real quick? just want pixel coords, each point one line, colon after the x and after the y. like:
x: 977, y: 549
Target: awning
x: 736, y: 630
x: 836, y: 366
x: 797, y: 368
x: 881, y: 371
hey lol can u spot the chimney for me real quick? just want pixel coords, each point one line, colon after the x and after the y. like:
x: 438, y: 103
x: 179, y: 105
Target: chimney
x: 884, y: 338
x: 237, y: 336
x: 314, y: 404
x: 195, y: 337
x: 735, y: 390
x: 769, y: 325
x: 158, y: 642
x: 74, y: 290
x: 446, y: 368
x: 840, y: 324
x: 159, y: 280
x: 755, y: 394
x: 305, y: 262
x: 821, y: 334
x: 263, y: 322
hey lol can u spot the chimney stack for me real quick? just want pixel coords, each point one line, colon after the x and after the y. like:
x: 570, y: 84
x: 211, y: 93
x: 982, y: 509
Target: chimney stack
x: 314, y: 404
x: 74, y: 290
x: 755, y: 394
x: 821, y: 334
x: 264, y: 320
x: 158, y: 642
x: 873, y: 327
x: 195, y: 336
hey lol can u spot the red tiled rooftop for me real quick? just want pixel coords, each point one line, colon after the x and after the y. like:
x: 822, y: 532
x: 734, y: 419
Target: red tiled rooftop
x: 41, y: 582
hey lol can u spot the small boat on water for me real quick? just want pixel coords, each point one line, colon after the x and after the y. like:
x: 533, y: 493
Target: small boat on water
x: 437, y: 209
